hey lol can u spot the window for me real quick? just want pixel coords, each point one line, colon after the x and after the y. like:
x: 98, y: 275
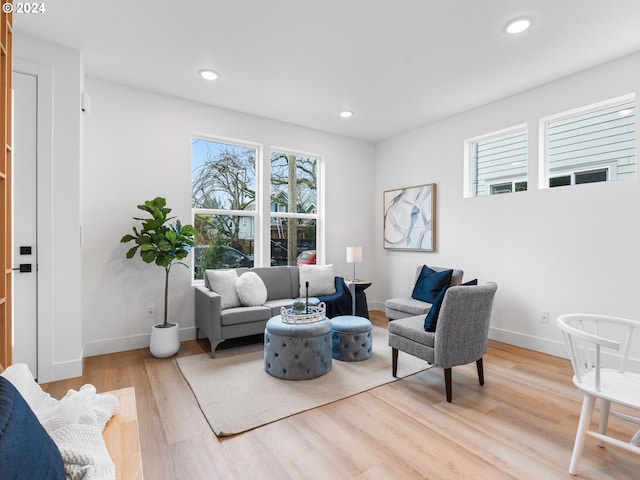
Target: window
x: 590, y: 144
x: 508, y: 187
x: 576, y: 178
x: 238, y: 223
x: 294, y: 206
x: 497, y: 163
x: 223, y: 185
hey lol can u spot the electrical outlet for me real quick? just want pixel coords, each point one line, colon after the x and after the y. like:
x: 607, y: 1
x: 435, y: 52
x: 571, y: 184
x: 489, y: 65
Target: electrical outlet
x: 544, y: 317
x: 151, y: 311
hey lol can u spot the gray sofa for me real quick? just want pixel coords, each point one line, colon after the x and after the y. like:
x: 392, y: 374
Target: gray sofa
x: 408, y: 307
x: 282, y: 284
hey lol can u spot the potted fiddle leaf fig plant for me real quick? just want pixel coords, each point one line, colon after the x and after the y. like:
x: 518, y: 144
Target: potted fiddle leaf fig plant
x: 165, y: 244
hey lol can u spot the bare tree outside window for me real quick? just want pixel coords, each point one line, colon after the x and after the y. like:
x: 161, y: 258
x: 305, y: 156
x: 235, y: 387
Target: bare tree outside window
x: 294, y: 191
x: 223, y: 182
x: 224, y: 192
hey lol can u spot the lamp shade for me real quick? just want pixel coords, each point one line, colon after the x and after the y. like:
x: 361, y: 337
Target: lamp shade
x: 354, y: 254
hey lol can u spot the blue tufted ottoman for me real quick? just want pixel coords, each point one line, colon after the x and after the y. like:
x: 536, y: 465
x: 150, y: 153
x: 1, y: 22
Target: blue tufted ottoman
x: 297, y: 351
x: 352, y: 340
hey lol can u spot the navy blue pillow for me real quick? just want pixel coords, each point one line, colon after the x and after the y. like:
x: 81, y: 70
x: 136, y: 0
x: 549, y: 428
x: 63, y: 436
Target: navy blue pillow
x: 470, y: 282
x: 430, y: 283
x: 431, y: 320
x: 26, y: 449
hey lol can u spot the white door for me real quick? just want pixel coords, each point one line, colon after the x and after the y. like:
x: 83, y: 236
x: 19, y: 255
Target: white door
x: 25, y: 281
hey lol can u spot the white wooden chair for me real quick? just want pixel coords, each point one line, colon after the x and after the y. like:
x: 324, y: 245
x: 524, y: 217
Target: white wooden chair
x: 599, y: 346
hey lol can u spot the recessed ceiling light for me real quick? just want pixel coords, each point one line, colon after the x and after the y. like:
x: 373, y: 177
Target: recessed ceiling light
x: 346, y: 114
x: 518, y: 25
x: 208, y: 74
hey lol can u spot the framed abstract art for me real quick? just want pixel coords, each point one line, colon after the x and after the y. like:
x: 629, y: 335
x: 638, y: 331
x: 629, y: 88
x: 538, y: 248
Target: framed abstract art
x: 409, y: 218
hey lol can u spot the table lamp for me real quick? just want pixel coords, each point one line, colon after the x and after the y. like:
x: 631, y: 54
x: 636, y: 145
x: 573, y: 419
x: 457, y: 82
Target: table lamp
x: 354, y: 255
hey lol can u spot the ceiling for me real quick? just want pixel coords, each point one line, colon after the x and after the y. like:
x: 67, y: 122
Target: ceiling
x: 397, y: 65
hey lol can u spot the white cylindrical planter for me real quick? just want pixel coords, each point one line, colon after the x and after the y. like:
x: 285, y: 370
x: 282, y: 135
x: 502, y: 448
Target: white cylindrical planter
x: 165, y: 342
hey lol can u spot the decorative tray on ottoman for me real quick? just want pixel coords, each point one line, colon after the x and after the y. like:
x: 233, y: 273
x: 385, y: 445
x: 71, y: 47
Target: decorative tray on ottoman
x: 314, y: 313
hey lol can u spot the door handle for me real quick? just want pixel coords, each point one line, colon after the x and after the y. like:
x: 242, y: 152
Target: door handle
x: 23, y: 268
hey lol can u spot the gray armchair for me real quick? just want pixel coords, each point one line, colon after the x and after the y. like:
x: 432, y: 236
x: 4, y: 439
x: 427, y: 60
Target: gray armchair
x: 461, y: 333
x: 408, y: 307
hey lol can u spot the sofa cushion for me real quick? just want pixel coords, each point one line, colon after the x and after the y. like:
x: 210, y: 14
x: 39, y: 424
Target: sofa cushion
x: 470, y: 283
x: 223, y: 282
x: 408, y: 305
x: 409, y: 328
x: 27, y: 449
x: 251, y: 290
x: 278, y: 281
x: 430, y: 283
x: 276, y: 305
x: 237, y: 315
x: 321, y: 280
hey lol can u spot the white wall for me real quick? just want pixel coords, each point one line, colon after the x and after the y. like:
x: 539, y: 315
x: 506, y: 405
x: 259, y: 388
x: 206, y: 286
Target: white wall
x: 59, y: 160
x: 138, y: 146
x: 569, y: 249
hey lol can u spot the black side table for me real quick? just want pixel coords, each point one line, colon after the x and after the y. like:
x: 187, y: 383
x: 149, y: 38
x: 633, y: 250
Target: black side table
x: 357, y: 288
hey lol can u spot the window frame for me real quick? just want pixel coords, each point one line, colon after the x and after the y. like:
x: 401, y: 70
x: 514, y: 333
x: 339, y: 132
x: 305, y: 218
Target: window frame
x: 262, y: 214
x: 258, y: 260
x: 318, y: 216
x: 572, y: 175
x: 511, y: 182
x: 544, y: 173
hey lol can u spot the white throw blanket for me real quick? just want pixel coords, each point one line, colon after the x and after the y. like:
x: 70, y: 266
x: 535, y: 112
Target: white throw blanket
x: 75, y: 424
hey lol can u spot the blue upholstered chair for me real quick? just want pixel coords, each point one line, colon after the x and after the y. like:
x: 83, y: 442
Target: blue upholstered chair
x: 460, y: 337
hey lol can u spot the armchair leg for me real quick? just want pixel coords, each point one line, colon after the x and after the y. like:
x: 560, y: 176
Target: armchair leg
x: 480, y: 371
x: 447, y: 383
x: 394, y: 362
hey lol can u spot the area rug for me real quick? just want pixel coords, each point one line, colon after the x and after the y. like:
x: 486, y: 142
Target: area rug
x: 236, y: 394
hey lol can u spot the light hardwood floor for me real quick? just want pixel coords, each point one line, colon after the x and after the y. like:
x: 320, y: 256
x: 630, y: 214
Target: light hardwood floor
x: 519, y: 425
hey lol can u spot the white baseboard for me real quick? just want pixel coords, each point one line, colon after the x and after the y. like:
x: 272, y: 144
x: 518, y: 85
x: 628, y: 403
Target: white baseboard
x: 375, y: 305
x: 557, y: 349
x: 132, y: 342
x: 543, y: 345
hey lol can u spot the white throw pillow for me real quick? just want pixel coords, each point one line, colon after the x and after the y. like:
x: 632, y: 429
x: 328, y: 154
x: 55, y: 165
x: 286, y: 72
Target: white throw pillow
x: 320, y: 277
x: 251, y: 290
x: 223, y: 282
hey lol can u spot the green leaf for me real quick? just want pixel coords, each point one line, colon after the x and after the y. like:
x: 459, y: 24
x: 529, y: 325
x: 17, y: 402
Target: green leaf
x: 171, y: 236
x: 163, y: 261
x: 188, y: 230
x: 148, y: 256
x: 144, y: 208
x: 156, y: 239
x: 159, y: 202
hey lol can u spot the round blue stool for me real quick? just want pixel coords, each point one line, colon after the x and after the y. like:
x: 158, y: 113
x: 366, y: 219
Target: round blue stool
x: 297, y: 351
x: 351, y: 338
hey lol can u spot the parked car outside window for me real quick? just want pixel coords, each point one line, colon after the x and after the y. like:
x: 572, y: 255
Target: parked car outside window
x: 308, y: 257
